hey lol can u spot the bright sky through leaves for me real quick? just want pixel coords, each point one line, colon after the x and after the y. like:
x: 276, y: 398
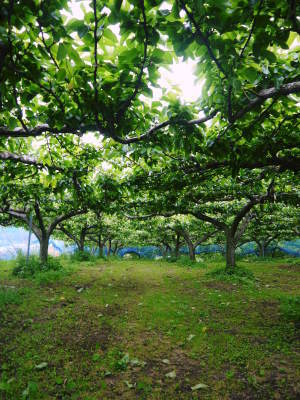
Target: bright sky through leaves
x: 179, y: 74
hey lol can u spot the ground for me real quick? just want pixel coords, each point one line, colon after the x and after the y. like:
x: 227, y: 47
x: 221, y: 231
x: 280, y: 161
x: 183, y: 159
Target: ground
x: 149, y: 330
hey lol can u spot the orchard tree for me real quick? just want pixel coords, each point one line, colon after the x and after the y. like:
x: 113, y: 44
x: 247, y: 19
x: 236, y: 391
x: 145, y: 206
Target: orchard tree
x: 76, y: 229
x: 53, y: 199
x: 271, y: 224
x: 111, y: 230
x: 224, y: 201
x: 47, y: 208
x: 193, y: 232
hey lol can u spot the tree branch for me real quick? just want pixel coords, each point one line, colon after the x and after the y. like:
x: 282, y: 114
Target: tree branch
x: 252, y: 29
x: 68, y: 233
x: 39, y: 217
x: 205, y: 237
x: 126, y: 103
x: 64, y: 217
x: 253, y: 201
x: 28, y: 160
x: 284, y: 90
x: 81, y: 129
x: 203, y: 38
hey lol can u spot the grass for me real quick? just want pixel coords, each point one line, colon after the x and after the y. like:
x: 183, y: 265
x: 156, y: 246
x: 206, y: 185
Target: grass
x: 136, y: 329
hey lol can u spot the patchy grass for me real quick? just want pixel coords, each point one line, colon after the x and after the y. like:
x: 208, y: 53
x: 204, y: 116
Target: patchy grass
x: 150, y: 330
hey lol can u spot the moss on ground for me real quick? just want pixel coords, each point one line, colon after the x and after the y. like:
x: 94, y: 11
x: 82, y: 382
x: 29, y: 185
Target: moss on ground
x: 150, y: 330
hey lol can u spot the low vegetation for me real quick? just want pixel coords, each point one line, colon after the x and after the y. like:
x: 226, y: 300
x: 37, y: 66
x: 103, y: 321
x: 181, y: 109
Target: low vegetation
x: 136, y: 329
x: 33, y: 266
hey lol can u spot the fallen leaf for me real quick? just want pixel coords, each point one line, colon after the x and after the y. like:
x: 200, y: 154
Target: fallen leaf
x: 41, y: 365
x: 199, y: 386
x: 128, y: 384
x: 166, y: 361
x: 171, y: 374
x: 190, y: 337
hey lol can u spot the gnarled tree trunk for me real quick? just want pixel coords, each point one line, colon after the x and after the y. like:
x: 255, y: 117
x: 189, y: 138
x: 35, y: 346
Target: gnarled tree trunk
x: 230, y: 251
x: 44, y: 245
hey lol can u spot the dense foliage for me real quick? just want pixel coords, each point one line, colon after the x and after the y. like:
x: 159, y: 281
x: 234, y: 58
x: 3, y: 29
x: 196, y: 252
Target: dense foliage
x: 64, y: 78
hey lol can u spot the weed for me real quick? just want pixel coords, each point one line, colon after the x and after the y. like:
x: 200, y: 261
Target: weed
x: 48, y: 277
x: 171, y: 259
x: 34, y: 265
x: 10, y: 296
x: 290, y: 309
x: 236, y: 275
x: 84, y: 255
x: 144, y: 388
x: 185, y: 261
x: 31, y: 391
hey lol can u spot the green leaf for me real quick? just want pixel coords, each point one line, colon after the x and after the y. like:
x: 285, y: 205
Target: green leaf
x: 75, y: 56
x: 62, y: 52
x: 250, y: 74
x: 59, y: 380
x: 161, y: 56
x: 82, y: 30
x: 117, y: 5
x: 61, y: 74
x: 108, y: 34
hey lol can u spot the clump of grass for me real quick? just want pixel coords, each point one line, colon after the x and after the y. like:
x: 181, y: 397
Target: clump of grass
x: 290, y: 309
x: 185, y: 261
x: 84, y: 255
x: 9, y: 296
x: 48, y: 277
x: 34, y: 266
x: 235, y: 275
x: 171, y: 259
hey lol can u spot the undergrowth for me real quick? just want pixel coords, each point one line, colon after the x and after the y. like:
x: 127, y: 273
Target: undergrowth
x: 10, y: 295
x: 34, y: 266
x: 185, y: 261
x: 236, y: 275
x: 84, y: 255
x: 290, y: 309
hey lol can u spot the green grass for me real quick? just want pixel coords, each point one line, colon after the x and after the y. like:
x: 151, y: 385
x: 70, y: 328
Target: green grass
x: 114, y: 329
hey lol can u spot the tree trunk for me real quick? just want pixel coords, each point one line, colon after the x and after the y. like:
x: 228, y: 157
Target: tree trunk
x: 81, y: 242
x: 230, y: 252
x: 261, y: 248
x: 109, y: 248
x: 168, y: 249
x: 101, y: 249
x: 116, y: 248
x: 163, y: 251
x: 100, y: 246
x: 44, y: 244
x: 177, y: 246
x: 80, y: 246
x: 192, y: 252
x: 191, y: 247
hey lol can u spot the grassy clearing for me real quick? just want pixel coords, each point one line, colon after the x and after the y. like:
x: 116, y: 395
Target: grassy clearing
x: 150, y: 330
